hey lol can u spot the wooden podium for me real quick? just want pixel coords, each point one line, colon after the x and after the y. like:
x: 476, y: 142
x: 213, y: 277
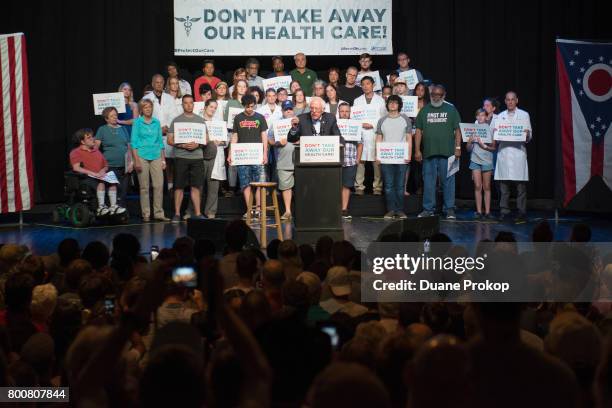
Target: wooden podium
x: 318, y: 200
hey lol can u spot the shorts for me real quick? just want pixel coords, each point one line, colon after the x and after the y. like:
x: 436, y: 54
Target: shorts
x: 188, y: 173
x: 286, y: 181
x: 481, y: 167
x: 254, y: 173
x: 348, y: 176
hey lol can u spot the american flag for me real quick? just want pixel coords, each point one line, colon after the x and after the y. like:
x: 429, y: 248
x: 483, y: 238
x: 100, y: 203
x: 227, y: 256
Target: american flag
x: 16, y: 172
x: 585, y: 102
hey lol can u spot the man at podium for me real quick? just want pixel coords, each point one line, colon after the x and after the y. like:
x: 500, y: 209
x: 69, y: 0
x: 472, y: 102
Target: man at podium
x: 314, y: 123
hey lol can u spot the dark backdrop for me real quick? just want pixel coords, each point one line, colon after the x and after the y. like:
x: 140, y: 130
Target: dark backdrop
x: 475, y: 47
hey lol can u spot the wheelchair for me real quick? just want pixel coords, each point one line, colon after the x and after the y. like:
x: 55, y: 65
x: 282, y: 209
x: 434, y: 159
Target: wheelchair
x: 82, y: 203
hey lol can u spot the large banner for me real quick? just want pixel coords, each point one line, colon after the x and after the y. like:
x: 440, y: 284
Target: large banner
x: 282, y: 27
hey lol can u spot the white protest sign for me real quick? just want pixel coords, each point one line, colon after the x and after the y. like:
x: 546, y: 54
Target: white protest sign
x: 320, y: 149
x: 366, y: 113
x: 277, y: 82
x: 246, y: 154
x: 187, y: 132
x: 410, y: 105
x: 510, y: 131
x: 231, y: 114
x: 281, y: 129
x: 480, y: 130
x: 105, y: 100
x: 410, y: 77
x: 220, y: 109
x: 217, y: 130
x: 198, y: 108
x: 350, y: 129
x: 392, y: 152
x: 110, y: 178
x: 374, y: 75
x: 280, y: 27
x: 452, y: 166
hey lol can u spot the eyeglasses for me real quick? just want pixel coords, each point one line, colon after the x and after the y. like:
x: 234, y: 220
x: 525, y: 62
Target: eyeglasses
x: 437, y: 94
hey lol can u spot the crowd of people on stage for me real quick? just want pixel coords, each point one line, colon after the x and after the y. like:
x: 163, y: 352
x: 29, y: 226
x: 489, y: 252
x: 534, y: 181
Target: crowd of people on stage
x: 289, y: 328
x: 141, y: 140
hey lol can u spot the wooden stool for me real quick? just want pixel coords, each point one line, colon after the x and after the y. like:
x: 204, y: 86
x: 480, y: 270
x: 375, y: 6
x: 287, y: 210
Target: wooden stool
x: 263, y: 232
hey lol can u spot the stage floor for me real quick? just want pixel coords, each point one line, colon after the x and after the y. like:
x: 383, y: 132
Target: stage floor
x: 43, y: 237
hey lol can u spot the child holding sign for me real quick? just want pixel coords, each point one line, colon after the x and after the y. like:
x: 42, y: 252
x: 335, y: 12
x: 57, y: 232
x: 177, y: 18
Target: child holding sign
x: 481, y: 164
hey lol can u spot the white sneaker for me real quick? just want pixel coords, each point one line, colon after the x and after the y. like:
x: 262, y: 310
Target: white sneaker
x: 101, y: 211
x: 115, y: 209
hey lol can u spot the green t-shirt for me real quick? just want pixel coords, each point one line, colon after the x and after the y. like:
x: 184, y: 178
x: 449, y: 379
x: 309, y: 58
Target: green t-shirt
x: 438, y: 126
x: 306, y: 79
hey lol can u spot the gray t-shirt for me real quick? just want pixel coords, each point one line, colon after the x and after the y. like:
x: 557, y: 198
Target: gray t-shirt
x: 394, y: 129
x: 480, y: 155
x: 285, y: 156
x: 184, y: 153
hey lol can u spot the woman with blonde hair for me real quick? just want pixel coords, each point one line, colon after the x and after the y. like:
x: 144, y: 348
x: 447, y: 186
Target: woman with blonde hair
x: 131, y: 108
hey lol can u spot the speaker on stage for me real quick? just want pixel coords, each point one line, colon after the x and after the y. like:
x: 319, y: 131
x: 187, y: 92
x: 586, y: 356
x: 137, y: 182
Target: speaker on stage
x: 423, y: 227
x: 214, y: 230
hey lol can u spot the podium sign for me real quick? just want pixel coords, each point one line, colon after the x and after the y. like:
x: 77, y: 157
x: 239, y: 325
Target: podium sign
x: 320, y: 149
x: 318, y: 179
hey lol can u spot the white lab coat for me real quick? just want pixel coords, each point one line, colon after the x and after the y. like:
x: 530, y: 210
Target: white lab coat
x: 512, y: 156
x: 369, y: 135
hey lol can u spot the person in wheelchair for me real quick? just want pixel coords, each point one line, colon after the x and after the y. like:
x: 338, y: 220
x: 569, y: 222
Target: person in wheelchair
x: 88, y: 160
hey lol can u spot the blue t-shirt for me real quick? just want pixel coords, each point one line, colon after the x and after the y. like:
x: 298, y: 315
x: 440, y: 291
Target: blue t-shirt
x: 127, y: 115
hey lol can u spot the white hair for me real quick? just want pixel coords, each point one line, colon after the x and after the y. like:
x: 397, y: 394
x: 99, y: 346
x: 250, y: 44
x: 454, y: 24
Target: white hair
x: 317, y: 100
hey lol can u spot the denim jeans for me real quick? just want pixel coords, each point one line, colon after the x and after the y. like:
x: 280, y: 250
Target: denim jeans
x: 433, y: 168
x: 393, y: 176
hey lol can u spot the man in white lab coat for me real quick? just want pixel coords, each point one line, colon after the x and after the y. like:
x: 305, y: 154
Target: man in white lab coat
x: 511, y: 167
x: 369, y: 98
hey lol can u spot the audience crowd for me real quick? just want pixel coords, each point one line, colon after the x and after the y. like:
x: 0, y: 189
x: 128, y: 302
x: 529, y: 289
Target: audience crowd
x: 284, y: 328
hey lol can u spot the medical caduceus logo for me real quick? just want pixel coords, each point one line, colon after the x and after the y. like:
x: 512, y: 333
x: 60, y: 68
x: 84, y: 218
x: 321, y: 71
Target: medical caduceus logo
x: 187, y: 22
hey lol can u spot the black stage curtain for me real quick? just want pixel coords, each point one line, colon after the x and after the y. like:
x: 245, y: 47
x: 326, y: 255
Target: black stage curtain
x: 476, y: 48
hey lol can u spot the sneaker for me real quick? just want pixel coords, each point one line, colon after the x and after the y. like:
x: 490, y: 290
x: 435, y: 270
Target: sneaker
x: 377, y: 192
x: 450, y: 214
x: 176, y: 219
x: 102, y: 211
x: 146, y: 219
x: 115, y: 209
x: 346, y: 215
x: 488, y: 217
x: 210, y: 216
x: 187, y: 215
x: 359, y: 192
x: 286, y: 217
x: 520, y: 219
x: 401, y: 215
x: 161, y: 218
x: 228, y: 193
x: 477, y: 216
x: 198, y: 217
x: 425, y: 213
x: 389, y: 216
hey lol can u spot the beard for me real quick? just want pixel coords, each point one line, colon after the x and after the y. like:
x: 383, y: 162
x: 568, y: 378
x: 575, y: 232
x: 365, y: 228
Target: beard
x: 437, y: 104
